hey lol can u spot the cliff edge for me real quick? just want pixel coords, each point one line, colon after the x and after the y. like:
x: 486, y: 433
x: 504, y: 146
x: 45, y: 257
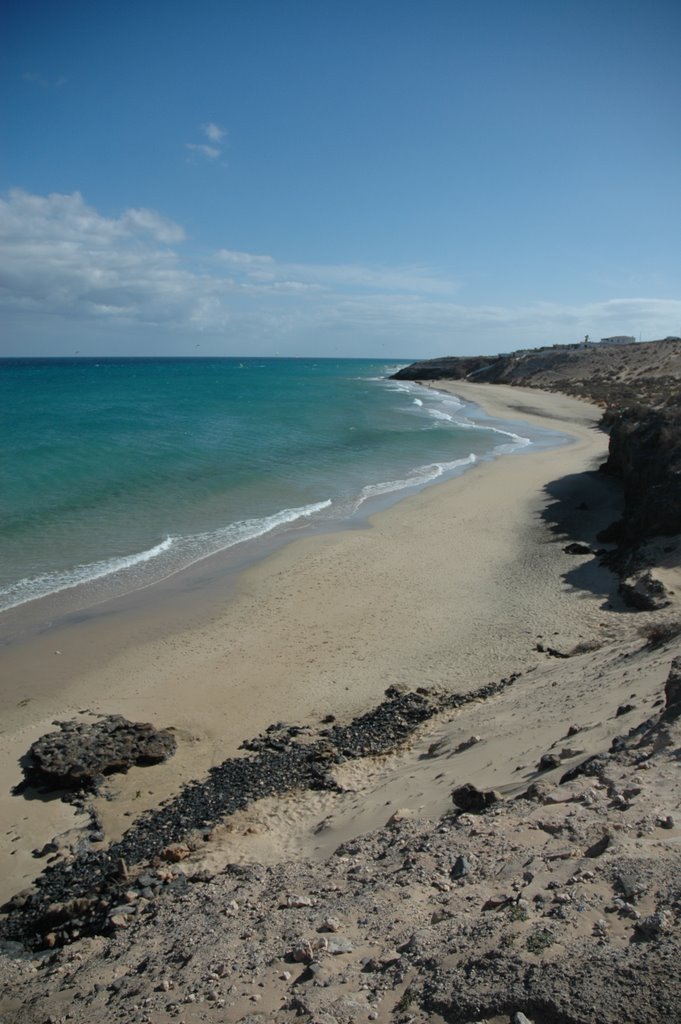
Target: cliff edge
x: 639, y: 388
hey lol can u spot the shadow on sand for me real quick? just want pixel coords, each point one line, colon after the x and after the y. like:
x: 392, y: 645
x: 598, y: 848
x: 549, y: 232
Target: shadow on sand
x: 578, y: 507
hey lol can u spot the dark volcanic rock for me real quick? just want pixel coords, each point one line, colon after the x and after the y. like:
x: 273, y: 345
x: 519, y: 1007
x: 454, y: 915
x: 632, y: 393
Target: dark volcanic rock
x: 470, y: 798
x: 446, y: 368
x: 672, y: 691
x: 460, y: 868
x: 577, y: 549
x: 645, y: 452
x: 75, y: 756
x: 282, y: 764
x: 547, y: 762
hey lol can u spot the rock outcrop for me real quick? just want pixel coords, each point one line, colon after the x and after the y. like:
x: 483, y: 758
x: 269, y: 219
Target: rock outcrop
x: 645, y: 453
x: 639, y: 386
x: 562, y: 907
x: 80, y: 752
x: 448, y: 368
x: 613, y: 376
x: 283, y: 764
x: 672, y: 692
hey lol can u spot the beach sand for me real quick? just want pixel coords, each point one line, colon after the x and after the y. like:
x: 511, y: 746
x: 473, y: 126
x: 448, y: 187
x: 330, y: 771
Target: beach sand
x: 453, y: 587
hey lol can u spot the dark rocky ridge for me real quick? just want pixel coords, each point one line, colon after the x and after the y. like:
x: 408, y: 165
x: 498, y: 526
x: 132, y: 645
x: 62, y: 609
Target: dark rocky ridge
x: 74, y: 896
x: 613, y: 376
x: 640, y: 387
x: 556, y: 907
x: 645, y: 454
x: 450, y: 368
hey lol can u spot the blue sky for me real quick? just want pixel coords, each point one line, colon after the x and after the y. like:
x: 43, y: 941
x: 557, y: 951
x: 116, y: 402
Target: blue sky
x: 381, y: 178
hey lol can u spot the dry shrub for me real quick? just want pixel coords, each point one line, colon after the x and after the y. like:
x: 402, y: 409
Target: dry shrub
x: 657, y: 634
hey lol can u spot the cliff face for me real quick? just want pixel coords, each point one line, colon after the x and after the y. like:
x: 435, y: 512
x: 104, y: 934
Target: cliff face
x: 645, y: 453
x: 447, y: 368
x: 610, y: 375
x: 638, y: 385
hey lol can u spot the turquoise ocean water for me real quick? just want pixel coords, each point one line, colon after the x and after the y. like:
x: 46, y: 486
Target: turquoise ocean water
x: 118, y: 472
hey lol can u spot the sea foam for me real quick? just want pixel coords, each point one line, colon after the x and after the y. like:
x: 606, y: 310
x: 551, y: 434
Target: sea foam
x: 181, y: 552
x: 421, y: 476
x: 33, y: 587
x: 155, y: 464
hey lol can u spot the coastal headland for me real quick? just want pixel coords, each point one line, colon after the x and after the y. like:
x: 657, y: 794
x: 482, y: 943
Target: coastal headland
x: 372, y: 895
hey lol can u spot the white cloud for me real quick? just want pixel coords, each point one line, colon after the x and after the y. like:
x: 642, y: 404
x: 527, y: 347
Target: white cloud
x: 210, y: 152
x: 126, y: 284
x: 247, y: 259
x: 415, y: 279
x: 60, y: 256
x: 152, y: 223
x: 340, y: 276
x: 213, y: 131
x: 69, y: 218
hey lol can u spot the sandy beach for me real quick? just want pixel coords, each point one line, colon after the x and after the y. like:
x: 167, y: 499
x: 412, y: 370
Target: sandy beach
x: 462, y: 585
x: 450, y: 587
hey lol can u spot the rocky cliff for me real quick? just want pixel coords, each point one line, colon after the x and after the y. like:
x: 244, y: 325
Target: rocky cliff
x: 645, y: 453
x: 639, y: 387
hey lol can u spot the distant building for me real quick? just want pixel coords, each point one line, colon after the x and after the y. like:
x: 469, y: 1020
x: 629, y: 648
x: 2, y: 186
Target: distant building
x: 618, y: 339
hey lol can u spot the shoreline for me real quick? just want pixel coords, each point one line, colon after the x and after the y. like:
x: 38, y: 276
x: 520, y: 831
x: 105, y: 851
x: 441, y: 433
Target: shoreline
x: 419, y: 597
x: 77, y: 601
